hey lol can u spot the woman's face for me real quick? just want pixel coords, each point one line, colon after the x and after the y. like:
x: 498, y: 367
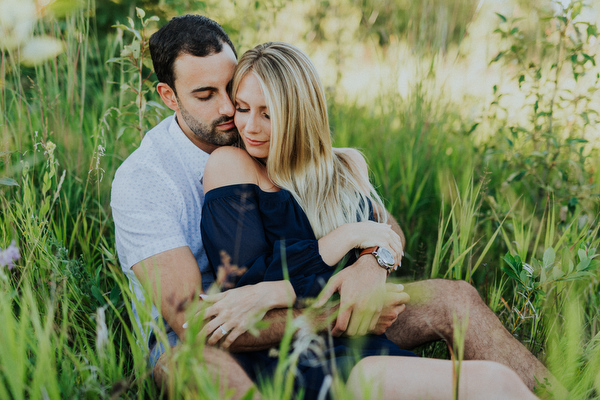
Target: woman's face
x: 252, y: 117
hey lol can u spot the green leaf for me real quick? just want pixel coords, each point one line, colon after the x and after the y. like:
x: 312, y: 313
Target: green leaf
x: 115, y: 293
x: 576, y: 10
x: 62, y: 8
x: 589, y: 58
x: 502, y: 17
x: 516, y: 176
x: 557, y: 273
x: 498, y: 56
x: 576, y: 140
x: 510, y: 273
x: 583, y: 264
x: 475, y: 125
x: 549, y: 257
x: 571, y: 266
x: 523, y: 276
x: 140, y: 13
x: 8, y: 182
x: 582, y: 254
x: 98, y: 295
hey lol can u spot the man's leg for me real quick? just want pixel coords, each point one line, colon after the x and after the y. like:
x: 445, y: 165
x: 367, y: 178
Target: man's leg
x: 219, y: 363
x: 429, y: 317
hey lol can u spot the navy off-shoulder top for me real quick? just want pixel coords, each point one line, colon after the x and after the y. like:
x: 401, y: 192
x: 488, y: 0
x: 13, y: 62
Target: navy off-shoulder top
x: 264, y: 232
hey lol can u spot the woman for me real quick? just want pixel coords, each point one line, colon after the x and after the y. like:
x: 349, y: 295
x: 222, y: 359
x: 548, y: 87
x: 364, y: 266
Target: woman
x: 291, y: 206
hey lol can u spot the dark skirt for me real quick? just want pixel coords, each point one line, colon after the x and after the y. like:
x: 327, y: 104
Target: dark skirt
x: 318, y: 362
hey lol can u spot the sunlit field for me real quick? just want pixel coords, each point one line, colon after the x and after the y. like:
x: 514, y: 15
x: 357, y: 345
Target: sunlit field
x: 480, y: 121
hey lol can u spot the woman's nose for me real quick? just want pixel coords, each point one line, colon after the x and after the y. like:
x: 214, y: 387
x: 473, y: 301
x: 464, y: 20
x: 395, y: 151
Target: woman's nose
x: 251, y: 125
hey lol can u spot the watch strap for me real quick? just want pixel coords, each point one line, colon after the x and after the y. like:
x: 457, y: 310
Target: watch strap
x: 373, y: 250
x: 368, y: 250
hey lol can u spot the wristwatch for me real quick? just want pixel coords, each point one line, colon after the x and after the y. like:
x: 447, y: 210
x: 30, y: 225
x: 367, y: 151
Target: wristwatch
x: 383, y: 257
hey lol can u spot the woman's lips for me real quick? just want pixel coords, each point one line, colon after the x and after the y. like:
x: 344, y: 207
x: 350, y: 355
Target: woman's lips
x: 252, y: 142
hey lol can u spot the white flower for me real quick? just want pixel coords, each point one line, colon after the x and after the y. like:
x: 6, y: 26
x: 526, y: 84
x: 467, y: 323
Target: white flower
x: 101, y: 331
x: 40, y: 49
x: 529, y: 269
x: 17, y: 19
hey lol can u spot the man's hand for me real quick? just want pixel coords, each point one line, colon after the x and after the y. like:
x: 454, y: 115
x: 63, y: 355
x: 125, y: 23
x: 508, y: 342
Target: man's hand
x: 395, y: 300
x: 362, y: 296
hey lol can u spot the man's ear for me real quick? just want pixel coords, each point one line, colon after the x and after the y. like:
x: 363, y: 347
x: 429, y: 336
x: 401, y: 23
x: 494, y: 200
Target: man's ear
x: 168, y: 96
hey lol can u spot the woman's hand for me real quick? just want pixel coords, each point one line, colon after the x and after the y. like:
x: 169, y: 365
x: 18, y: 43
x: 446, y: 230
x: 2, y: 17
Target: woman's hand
x: 236, y: 311
x: 370, y: 233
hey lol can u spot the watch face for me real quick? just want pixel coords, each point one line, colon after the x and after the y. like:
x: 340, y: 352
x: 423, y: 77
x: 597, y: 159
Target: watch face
x: 385, y: 256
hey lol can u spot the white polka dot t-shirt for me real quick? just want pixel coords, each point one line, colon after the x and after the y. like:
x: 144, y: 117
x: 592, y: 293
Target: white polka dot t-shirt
x: 157, y: 201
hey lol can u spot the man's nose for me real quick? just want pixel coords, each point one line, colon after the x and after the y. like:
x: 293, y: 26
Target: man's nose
x: 226, y: 106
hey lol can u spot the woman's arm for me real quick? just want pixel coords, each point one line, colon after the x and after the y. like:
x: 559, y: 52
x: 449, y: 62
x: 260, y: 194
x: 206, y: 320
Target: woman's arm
x: 359, y: 235
x: 337, y: 243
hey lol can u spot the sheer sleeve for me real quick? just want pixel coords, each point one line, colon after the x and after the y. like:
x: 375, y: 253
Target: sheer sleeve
x: 235, y: 221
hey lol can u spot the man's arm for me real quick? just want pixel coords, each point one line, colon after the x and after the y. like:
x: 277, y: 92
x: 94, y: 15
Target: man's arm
x: 173, y: 278
x: 396, y: 227
x: 277, y: 320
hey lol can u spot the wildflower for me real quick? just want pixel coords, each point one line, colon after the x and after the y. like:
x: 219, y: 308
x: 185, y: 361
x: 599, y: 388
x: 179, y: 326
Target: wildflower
x: 228, y: 274
x: 528, y: 269
x: 17, y: 22
x: 49, y: 147
x: 9, y: 255
x: 101, y: 331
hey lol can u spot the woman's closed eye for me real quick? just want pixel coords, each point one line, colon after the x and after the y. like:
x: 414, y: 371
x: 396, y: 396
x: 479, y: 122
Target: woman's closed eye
x: 242, y: 110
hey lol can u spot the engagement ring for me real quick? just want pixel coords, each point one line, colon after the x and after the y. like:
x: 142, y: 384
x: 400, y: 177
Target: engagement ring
x: 223, y: 330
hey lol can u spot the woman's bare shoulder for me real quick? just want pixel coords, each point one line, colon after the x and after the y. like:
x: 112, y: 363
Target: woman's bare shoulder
x: 229, y: 166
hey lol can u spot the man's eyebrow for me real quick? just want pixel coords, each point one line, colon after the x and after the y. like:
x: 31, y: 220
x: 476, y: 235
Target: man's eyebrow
x: 203, y: 89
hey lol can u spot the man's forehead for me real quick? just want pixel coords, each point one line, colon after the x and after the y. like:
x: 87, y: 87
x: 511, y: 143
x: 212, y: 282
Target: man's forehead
x: 216, y: 69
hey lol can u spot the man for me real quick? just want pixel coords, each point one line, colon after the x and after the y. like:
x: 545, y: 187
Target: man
x: 157, y: 199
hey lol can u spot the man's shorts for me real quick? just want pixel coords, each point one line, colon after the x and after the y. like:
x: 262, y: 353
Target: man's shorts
x: 158, y: 348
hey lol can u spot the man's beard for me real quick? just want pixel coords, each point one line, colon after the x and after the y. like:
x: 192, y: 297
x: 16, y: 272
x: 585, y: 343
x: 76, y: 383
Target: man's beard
x: 210, y: 134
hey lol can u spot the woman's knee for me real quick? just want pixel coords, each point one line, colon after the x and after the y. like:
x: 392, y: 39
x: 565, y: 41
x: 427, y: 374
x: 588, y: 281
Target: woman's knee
x: 362, y: 382
x: 498, y: 379
x: 364, y: 369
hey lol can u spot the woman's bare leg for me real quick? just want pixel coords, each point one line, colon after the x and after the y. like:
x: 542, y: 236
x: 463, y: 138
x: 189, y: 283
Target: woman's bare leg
x: 426, y: 378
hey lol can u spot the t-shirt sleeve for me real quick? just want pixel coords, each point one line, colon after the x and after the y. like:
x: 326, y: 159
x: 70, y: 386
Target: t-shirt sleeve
x: 233, y: 225
x: 146, y: 214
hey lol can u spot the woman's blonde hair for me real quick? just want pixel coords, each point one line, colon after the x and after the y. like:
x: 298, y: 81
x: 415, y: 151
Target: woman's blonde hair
x: 325, y: 182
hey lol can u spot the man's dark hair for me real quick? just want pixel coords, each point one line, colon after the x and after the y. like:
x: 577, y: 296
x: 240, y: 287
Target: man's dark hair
x: 196, y: 35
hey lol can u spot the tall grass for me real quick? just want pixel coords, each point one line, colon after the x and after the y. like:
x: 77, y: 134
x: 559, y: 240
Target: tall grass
x: 65, y: 312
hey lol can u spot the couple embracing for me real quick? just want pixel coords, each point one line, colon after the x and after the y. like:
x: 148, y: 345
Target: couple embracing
x: 299, y: 218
